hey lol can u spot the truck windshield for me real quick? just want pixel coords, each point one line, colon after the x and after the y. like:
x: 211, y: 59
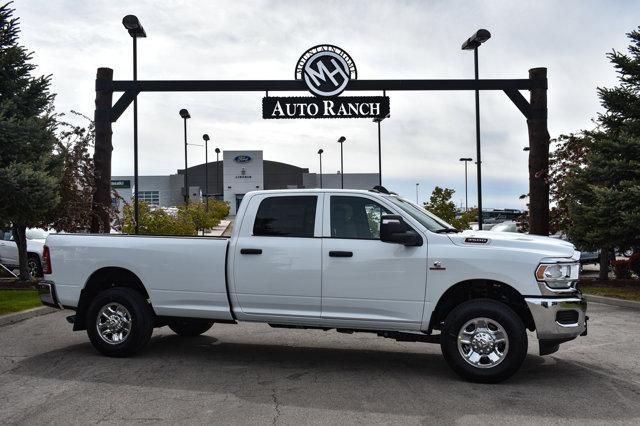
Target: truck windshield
x: 430, y: 221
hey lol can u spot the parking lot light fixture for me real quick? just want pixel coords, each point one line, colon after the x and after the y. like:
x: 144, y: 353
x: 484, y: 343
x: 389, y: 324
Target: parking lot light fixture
x: 378, y: 120
x: 341, y: 141
x: 185, y: 115
x: 206, y: 139
x: 320, y: 151
x: 218, y: 180
x: 466, y: 197
x: 472, y: 43
x: 133, y: 26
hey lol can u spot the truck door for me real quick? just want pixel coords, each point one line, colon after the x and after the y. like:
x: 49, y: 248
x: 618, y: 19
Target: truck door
x: 364, y: 280
x: 277, y: 256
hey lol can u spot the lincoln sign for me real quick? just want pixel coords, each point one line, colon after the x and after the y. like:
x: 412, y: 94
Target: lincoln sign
x: 326, y: 70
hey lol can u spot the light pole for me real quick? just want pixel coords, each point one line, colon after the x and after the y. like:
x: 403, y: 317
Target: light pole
x: 133, y: 26
x: 185, y: 115
x: 341, y: 141
x: 466, y: 198
x: 417, y: 186
x: 472, y: 44
x: 379, y: 120
x: 218, y: 180
x: 206, y: 170
x: 320, y: 151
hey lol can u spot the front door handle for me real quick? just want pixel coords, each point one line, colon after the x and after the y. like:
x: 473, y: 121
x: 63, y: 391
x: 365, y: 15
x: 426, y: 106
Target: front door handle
x: 250, y: 251
x: 340, y: 254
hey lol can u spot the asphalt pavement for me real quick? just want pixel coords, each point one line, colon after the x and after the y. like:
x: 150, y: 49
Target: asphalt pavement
x: 254, y: 374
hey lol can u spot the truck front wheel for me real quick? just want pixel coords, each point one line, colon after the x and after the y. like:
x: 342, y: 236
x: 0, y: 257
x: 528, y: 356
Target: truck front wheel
x: 119, y: 322
x: 484, y: 341
x: 189, y: 327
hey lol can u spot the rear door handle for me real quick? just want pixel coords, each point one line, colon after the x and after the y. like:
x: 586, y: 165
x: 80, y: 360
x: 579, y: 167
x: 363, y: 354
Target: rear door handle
x: 340, y: 254
x: 250, y: 251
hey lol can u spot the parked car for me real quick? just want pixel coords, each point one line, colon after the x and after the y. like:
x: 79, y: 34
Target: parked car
x: 355, y: 261
x: 35, y: 243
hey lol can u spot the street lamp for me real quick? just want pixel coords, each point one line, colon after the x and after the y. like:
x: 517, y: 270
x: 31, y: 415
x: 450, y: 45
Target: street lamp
x: 185, y: 115
x: 379, y: 120
x: 417, y: 186
x: 466, y: 197
x: 472, y: 44
x: 320, y: 151
x: 218, y: 180
x: 206, y: 170
x: 341, y: 141
x: 133, y: 26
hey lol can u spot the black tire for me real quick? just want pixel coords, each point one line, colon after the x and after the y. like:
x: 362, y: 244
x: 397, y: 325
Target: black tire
x: 141, y: 318
x: 189, y: 327
x: 34, y: 265
x: 499, y: 313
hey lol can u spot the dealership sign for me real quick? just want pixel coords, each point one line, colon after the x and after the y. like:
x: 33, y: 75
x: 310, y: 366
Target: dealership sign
x: 309, y: 107
x: 120, y: 183
x: 326, y: 71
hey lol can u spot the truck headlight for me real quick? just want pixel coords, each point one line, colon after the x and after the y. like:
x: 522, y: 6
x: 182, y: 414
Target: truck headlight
x: 558, y: 275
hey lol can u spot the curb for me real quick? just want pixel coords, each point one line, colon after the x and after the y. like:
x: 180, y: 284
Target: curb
x: 23, y: 315
x: 612, y: 301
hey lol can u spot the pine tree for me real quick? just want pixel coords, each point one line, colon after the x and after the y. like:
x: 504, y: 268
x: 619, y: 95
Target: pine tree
x: 605, y: 192
x: 27, y: 136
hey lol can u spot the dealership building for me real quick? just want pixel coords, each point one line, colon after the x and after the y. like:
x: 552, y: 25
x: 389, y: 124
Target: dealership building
x: 230, y: 179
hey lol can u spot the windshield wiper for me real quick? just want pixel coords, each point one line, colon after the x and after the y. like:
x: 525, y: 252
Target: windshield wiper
x: 446, y: 230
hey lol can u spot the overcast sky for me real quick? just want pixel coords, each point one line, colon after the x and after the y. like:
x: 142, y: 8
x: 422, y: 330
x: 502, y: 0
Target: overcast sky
x: 427, y: 132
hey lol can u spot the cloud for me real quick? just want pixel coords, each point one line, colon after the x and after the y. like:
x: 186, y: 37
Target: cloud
x: 427, y: 131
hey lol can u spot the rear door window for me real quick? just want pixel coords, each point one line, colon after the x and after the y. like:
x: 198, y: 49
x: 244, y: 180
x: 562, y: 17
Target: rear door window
x: 292, y: 216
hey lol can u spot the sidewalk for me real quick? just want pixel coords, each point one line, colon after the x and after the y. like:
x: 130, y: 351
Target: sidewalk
x: 218, y: 231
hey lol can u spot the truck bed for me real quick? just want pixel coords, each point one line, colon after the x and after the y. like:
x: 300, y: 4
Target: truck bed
x: 184, y: 276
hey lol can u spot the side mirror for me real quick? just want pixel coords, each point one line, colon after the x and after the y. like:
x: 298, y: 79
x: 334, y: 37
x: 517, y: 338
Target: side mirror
x: 393, y: 229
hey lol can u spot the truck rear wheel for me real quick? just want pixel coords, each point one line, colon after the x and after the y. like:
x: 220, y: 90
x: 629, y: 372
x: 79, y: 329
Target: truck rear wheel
x: 119, y: 322
x: 189, y: 327
x: 484, y: 341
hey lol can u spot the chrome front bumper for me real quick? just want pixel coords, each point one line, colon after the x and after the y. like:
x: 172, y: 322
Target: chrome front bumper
x: 48, y: 297
x: 560, y: 318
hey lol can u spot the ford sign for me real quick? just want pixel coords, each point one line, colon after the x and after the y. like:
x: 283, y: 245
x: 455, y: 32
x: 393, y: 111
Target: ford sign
x: 242, y: 159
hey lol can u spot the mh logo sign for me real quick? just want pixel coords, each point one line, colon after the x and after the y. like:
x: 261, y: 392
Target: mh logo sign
x: 326, y: 70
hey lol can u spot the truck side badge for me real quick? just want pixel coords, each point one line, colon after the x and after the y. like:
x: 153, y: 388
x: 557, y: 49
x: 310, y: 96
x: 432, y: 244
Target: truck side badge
x: 476, y: 240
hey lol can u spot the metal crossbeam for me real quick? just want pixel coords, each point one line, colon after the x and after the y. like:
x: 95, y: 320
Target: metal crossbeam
x: 299, y: 85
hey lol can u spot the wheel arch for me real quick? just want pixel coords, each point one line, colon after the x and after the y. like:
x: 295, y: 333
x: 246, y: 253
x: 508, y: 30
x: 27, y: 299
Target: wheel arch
x: 101, y: 280
x: 477, y: 289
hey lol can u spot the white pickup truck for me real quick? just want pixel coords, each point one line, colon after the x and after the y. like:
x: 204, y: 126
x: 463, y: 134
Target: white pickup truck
x: 354, y: 261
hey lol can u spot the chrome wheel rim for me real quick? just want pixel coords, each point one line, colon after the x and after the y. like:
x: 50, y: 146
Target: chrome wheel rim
x: 483, y: 342
x: 113, y: 323
x: 32, y: 267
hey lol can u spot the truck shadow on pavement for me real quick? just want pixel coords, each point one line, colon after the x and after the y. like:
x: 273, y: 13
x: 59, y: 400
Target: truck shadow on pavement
x: 412, y: 380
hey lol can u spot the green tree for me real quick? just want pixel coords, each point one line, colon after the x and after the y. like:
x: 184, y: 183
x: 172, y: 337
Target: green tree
x: 77, y: 183
x: 441, y: 205
x: 605, y: 190
x: 187, y: 220
x: 27, y: 137
x: 156, y: 221
x: 201, y: 217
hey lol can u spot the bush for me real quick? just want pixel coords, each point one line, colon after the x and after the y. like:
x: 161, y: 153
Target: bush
x: 621, y: 269
x: 156, y: 221
x: 187, y: 221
